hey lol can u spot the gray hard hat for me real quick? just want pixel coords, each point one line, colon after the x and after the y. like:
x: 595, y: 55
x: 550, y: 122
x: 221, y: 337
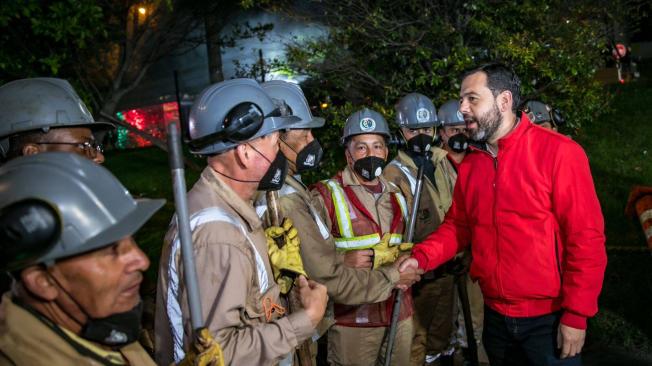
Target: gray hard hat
x: 416, y: 111
x: 91, y: 207
x: 365, y: 121
x: 538, y: 112
x: 294, y: 98
x: 43, y: 103
x: 208, y: 131
x: 450, y: 115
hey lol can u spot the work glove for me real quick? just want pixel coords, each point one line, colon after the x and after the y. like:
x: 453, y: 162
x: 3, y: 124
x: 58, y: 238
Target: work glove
x: 384, y: 253
x: 404, y: 247
x: 205, y: 351
x: 286, y: 261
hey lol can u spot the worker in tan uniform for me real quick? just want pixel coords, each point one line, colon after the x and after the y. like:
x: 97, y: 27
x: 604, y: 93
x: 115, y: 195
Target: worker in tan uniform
x: 236, y: 125
x: 365, y: 214
x: 416, y: 118
x: 454, y: 139
x: 67, y: 242
x: 321, y: 260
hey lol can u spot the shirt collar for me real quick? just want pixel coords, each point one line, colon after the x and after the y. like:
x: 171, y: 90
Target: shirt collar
x: 224, y: 192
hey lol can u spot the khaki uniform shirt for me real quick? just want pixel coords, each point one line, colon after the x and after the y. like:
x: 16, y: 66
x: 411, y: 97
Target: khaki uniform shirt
x: 27, y: 340
x: 380, y: 208
x: 235, y: 281
x: 321, y: 261
x: 435, y: 200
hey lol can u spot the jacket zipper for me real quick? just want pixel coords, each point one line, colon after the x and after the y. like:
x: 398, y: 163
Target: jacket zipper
x: 495, y: 217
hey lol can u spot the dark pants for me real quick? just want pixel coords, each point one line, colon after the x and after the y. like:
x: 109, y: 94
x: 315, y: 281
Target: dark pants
x: 523, y: 341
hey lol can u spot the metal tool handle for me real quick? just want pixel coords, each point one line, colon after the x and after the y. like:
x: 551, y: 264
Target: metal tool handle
x: 398, y: 295
x: 304, y: 355
x: 468, y: 320
x: 183, y: 225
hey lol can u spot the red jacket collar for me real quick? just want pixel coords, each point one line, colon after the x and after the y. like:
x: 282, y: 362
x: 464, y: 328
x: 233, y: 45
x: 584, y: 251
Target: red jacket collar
x: 512, y: 137
x: 515, y: 134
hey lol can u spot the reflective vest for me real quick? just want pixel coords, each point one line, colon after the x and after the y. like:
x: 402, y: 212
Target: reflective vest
x: 362, y: 234
x: 354, y: 228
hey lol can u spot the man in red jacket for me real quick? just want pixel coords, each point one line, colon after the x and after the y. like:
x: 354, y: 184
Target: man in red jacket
x: 525, y: 199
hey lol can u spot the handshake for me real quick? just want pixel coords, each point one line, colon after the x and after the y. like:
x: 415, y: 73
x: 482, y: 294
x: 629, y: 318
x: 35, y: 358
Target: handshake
x: 384, y: 254
x: 409, y: 271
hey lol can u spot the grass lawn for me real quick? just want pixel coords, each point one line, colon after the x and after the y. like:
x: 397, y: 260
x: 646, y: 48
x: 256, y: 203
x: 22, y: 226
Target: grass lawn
x: 619, y: 145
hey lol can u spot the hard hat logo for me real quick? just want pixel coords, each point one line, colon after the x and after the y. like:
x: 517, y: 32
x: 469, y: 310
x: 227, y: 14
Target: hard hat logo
x: 459, y: 115
x: 423, y: 115
x: 367, y: 124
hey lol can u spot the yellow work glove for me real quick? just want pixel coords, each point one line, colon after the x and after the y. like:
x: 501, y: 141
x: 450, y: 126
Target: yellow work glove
x: 404, y: 247
x: 285, y: 259
x: 384, y: 253
x: 205, y: 351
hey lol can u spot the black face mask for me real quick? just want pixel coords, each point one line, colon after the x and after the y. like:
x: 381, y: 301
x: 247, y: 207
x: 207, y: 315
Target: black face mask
x: 458, y: 143
x: 309, y: 157
x: 420, y: 143
x: 275, y: 176
x: 369, y: 168
x: 114, y: 330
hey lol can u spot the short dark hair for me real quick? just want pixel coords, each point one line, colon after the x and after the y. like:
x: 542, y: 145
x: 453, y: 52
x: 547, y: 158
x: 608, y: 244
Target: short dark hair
x: 500, y: 78
x: 16, y: 142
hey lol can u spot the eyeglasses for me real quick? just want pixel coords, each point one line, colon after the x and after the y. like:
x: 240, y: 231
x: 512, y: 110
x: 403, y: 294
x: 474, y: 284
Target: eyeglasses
x: 90, y: 147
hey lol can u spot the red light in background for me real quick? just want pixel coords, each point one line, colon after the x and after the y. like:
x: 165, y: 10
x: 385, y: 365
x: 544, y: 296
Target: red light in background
x: 152, y: 120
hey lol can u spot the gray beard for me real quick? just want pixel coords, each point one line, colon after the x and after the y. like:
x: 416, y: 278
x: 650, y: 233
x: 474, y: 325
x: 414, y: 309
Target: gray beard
x: 488, y: 124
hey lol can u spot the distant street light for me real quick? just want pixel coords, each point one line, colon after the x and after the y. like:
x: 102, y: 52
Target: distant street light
x: 142, y: 10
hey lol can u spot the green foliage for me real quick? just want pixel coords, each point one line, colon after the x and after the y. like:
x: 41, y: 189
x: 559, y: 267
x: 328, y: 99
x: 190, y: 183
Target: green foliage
x: 379, y: 51
x: 43, y: 38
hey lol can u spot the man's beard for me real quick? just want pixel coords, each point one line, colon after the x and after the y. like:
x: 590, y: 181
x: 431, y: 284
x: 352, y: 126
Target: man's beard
x: 488, y: 124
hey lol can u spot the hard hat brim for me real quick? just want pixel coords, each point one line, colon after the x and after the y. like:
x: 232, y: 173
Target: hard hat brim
x: 145, y: 209
x: 316, y: 122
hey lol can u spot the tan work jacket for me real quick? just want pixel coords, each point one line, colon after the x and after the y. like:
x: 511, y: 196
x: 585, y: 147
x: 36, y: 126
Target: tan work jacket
x: 382, y: 208
x: 235, y: 281
x: 321, y: 261
x: 27, y: 340
x: 435, y: 200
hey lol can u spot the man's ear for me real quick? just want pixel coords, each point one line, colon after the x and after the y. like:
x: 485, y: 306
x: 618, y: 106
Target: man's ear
x: 243, y: 155
x: 38, y: 282
x: 30, y: 149
x: 505, y: 101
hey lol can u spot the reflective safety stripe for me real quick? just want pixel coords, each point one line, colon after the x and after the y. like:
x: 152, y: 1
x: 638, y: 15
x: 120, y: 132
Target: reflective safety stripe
x: 403, y: 205
x: 341, y: 210
x: 261, y: 208
x: 323, y: 230
x: 173, y: 307
x: 395, y: 239
x: 358, y: 242
x: 412, y: 180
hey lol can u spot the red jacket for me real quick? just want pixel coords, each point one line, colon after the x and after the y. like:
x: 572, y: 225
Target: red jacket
x: 535, y: 223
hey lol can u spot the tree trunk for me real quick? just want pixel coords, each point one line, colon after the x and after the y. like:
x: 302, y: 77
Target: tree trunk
x: 213, y: 26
